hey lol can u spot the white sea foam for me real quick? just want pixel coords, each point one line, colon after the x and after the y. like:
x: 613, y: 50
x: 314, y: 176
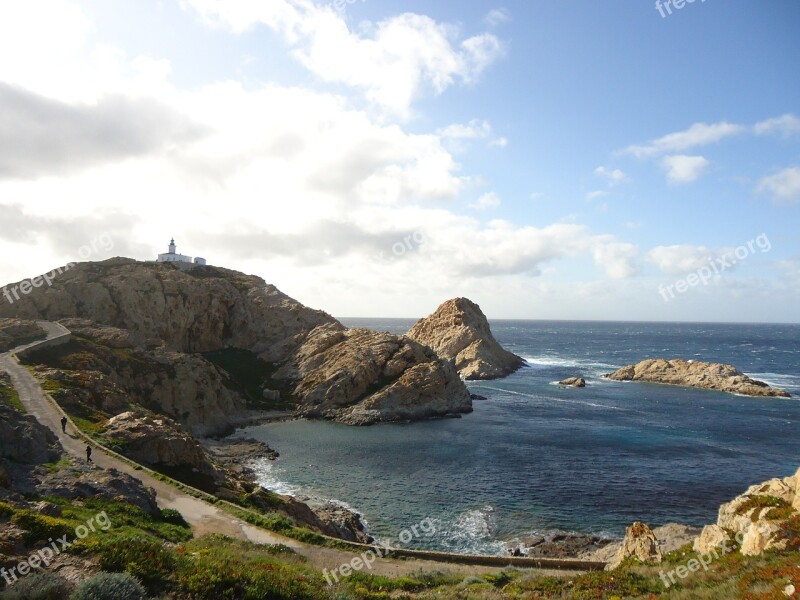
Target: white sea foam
x: 470, y: 532
x: 552, y: 399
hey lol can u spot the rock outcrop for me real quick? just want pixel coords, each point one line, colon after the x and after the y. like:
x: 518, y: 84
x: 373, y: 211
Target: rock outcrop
x: 640, y: 543
x: 670, y: 537
x: 359, y: 377
x: 578, y: 382
x: 23, y: 440
x: 15, y: 332
x: 25, y: 444
x: 159, y: 442
x: 460, y: 332
x: 754, y: 519
x: 712, y: 376
x: 150, y: 314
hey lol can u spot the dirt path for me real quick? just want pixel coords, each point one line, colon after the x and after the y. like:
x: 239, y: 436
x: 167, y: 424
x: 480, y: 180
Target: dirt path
x: 202, y: 516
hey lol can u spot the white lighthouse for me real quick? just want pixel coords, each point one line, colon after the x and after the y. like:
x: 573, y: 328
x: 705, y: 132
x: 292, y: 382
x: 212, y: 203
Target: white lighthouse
x: 173, y: 256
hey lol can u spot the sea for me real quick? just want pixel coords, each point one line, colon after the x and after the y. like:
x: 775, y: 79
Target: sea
x: 536, y: 458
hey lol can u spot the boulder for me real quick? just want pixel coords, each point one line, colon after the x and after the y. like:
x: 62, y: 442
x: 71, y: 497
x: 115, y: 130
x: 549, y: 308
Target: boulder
x: 360, y: 377
x: 24, y: 440
x: 640, y: 542
x: 698, y: 374
x: 159, y: 441
x: 48, y: 509
x: 712, y: 537
x: 578, y: 382
x: 459, y: 331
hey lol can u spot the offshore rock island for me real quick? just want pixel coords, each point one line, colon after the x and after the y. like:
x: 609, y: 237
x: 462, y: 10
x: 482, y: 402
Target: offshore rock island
x: 697, y: 374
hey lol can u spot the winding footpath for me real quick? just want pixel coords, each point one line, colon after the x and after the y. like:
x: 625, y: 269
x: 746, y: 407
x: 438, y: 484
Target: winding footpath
x: 206, y: 518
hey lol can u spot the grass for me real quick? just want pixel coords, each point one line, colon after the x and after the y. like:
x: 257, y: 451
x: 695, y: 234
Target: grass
x: 9, y: 396
x: 160, y: 552
x: 54, y: 467
x: 780, y: 508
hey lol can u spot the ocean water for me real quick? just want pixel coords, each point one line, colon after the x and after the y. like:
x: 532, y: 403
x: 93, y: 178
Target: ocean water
x: 536, y: 457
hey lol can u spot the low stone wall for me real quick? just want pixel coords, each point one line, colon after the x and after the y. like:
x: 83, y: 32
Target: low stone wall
x: 49, y: 343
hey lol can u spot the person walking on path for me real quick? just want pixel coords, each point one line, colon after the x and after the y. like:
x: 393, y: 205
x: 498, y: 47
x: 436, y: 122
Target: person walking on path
x: 64, y: 424
x: 88, y: 453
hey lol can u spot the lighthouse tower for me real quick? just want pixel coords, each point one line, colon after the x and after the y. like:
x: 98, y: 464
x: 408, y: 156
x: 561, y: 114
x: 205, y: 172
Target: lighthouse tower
x: 173, y: 256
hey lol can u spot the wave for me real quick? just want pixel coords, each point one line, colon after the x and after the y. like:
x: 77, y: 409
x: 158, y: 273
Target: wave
x: 780, y: 380
x: 470, y: 532
x: 553, y: 399
x: 557, y: 361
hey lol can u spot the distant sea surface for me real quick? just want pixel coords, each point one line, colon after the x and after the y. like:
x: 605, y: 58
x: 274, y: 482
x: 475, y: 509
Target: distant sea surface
x: 536, y: 457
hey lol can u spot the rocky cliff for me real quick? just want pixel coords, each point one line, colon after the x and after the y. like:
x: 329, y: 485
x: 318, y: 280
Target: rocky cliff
x: 712, y: 376
x: 149, y: 322
x: 459, y: 331
x: 766, y: 516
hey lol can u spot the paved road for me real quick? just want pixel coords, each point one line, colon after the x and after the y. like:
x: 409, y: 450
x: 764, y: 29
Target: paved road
x: 202, y: 516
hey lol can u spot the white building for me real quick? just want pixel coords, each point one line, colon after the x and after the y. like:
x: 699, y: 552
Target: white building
x: 173, y: 256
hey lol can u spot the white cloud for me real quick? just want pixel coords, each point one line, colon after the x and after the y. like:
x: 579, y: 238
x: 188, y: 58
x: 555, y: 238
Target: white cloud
x: 785, y: 125
x: 497, y: 16
x: 392, y: 62
x: 472, y: 130
x: 500, y: 142
x: 617, y: 258
x: 613, y: 176
x: 784, y: 186
x: 596, y: 194
x: 683, y: 169
x: 699, y: 134
x: 682, y: 258
x: 488, y: 201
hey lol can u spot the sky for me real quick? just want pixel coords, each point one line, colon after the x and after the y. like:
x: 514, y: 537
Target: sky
x: 567, y: 159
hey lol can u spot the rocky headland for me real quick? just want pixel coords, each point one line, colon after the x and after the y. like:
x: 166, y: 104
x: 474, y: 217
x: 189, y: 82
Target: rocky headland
x: 697, y: 374
x: 459, y: 331
x: 154, y: 335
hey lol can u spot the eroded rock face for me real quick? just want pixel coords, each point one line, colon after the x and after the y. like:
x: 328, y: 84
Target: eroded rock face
x: 753, y: 519
x: 159, y: 441
x: 171, y: 315
x: 459, y: 331
x: 698, y: 374
x: 359, y: 377
x: 640, y: 542
x: 24, y: 440
x: 14, y: 332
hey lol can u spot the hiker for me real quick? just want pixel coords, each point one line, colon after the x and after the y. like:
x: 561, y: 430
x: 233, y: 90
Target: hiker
x: 64, y: 424
x: 88, y: 453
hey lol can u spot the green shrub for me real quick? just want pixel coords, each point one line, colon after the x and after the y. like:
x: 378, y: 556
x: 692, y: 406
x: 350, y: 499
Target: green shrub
x: 6, y: 510
x: 109, y: 586
x: 40, y: 528
x: 38, y: 586
x: 146, y: 559
x: 169, y: 515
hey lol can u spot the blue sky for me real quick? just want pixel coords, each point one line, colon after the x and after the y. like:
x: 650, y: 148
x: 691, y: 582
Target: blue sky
x: 553, y: 160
